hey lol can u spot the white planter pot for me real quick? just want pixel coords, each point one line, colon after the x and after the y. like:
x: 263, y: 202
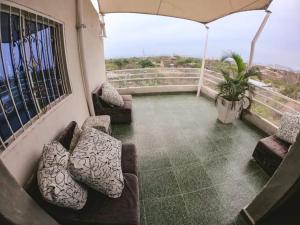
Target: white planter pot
x: 227, y: 112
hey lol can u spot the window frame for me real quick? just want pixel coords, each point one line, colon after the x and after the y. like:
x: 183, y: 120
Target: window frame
x: 58, y: 63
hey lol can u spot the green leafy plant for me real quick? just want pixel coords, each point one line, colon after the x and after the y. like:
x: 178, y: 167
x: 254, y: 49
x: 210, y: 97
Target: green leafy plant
x: 236, y: 84
x: 146, y: 63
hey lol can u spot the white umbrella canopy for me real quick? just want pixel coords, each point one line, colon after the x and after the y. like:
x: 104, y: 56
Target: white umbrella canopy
x: 203, y: 11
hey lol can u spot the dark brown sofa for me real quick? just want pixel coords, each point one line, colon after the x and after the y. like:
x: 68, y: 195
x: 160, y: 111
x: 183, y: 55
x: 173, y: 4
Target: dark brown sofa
x: 117, y: 114
x: 99, y: 209
x: 269, y: 152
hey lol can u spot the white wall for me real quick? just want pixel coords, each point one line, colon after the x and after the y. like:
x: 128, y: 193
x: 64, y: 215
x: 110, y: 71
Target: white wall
x: 94, y: 48
x: 22, y: 155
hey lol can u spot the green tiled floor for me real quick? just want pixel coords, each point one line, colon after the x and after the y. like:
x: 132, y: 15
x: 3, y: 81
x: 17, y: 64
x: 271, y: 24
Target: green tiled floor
x: 192, y: 169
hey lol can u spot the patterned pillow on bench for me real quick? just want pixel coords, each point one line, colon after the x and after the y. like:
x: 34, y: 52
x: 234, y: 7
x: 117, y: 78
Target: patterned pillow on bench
x: 96, y: 161
x: 289, y: 127
x: 55, y: 182
x: 111, y: 95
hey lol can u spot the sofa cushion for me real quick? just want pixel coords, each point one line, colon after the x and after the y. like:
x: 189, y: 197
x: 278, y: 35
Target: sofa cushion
x: 96, y: 161
x: 127, y: 105
x: 99, y: 209
x: 129, y: 159
x: 269, y: 152
x: 111, y: 95
x: 58, y: 187
x: 101, y: 123
x: 65, y: 137
x: 289, y: 127
x: 127, y: 98
x: 75, y: 137
x: 277, y: 146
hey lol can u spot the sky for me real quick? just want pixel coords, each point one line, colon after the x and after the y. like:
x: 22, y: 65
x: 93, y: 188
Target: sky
x: 138, y: 35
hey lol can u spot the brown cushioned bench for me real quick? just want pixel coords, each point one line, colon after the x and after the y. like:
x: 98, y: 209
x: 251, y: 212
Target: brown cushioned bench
x: 117, y: 114
x: 269, y: 152
x: 99, y: 209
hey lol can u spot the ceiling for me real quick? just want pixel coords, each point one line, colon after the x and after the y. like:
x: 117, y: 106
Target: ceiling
x: 203, y: 11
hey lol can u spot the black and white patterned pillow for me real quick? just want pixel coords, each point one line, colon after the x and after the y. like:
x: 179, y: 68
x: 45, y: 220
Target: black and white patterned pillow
x: 111, y: 95
x: 59, y: 188
x: 55, y: 182
x: 96, y: 161
x: 289, y: 127
x: 54, y: 154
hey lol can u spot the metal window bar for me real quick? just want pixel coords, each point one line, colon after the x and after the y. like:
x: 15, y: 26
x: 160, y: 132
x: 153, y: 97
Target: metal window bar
x: 49, y: 46
x: 46, y: 58
x: 50, y: 59
x: 56, y: 57
x: 64, y: 69
x: 33, y: 61
x: 14, y: 64
x: 6, y: 76
x: 2, y: 144
x: 28, y: 77
x: 25, y: 48
x: 40, y: 61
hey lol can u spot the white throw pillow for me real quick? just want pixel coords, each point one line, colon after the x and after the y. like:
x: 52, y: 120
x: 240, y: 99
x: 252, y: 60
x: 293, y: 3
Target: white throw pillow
x: 55, y: 183
x: 96, y: 161
x: 289, y: 127
x: 111, y: 95
x: 59, y: 188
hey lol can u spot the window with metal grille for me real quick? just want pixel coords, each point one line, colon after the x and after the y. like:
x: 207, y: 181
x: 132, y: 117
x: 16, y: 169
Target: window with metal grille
x: 33, y: 73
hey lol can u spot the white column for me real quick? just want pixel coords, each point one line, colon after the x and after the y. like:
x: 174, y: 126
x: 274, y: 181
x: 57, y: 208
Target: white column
x: 253, y: 43
x: 82, y: 54
x: 203, y: 62
x: 102, y: 21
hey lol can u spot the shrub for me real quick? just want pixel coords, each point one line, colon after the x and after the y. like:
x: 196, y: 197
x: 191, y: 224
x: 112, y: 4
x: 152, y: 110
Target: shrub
x: 146, y: 63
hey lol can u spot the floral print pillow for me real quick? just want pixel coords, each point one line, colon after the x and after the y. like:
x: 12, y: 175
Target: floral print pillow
x: 96, y: 161
x: 59, y: 188
x: 54, y: 154
x: 55, y: 182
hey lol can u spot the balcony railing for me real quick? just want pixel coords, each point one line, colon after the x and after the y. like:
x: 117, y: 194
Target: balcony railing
x: 267, y: 102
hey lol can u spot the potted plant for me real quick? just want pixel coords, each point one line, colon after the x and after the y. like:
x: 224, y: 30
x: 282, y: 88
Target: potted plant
x: 234, y: 91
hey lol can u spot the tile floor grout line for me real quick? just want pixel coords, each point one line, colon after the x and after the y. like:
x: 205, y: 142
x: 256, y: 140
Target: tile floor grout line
x: 189, y: 192
x: 181, y: 194
x: 153, y: 170
x: 161, y: 197
x: 144, y: 208
x: 173, y: 167
x: 185, y: 193
x: 145, y: 214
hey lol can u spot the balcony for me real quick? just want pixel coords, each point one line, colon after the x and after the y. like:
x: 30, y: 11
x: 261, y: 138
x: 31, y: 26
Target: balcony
x: 268, y: 104
x: 193, y: 169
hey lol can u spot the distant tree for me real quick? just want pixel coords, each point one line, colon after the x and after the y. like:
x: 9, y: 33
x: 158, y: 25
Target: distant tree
x: 146, y: 63
x: 118, y: 63
x: 121, y: 63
